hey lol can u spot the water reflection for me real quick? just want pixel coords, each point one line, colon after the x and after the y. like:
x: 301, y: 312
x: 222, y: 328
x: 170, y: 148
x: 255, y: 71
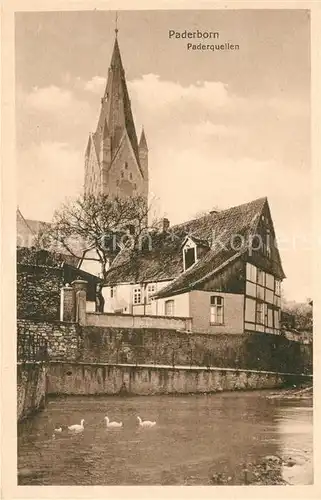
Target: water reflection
x: 294, y: 426
x: 195, y: 436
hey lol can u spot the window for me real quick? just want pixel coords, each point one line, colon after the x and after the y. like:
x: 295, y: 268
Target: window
x: 277, y: 319
x: 217, y: 310
x: 122, y: 175
x: 150, y: 290
x: 259, y: 313
x: 126, y: 165
x: 131, y: 176
x: 137, y: 295
x: 112, y: 292
x: 270, y: 317
x: 189, y: 257
x: 251, y: 272
x: 169, y: 308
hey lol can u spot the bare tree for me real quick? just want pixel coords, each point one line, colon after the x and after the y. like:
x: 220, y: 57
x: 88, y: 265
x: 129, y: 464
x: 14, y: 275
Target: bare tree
x: 95, y: 228
x: 301, y: 313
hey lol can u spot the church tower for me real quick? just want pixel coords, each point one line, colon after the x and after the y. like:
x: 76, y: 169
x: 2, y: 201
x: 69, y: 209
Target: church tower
x: 115, y: 163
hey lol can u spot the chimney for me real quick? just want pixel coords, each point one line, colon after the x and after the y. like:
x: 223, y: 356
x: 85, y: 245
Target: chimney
x: 165, y: 225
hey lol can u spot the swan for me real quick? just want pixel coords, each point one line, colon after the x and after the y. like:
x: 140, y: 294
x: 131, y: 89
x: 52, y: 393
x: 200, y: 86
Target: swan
x: 113, y: 424
x: 77, y: 427
x: 145, y: 423
x: 58, y: 429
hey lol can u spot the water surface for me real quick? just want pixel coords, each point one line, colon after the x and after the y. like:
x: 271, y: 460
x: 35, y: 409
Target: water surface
x: 195, y: 436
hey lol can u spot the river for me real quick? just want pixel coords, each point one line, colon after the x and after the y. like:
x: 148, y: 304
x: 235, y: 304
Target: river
x: 195, y: 437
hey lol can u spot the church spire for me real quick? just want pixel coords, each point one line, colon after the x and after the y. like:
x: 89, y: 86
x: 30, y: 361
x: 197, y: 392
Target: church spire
x: 142, y: 141
x: 116, y: 62
x: 116, y: 106
x: 114, y: 163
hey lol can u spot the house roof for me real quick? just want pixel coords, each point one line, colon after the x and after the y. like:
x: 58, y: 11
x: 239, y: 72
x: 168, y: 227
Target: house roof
x: 164, y: 261
x: 27, y: 231
x: 228, y: 229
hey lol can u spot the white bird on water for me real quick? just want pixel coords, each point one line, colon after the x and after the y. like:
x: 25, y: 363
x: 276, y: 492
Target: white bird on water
x: 77, y: 427
x: 113, y: 424
x: 58, y: 429
x: 145, y: 423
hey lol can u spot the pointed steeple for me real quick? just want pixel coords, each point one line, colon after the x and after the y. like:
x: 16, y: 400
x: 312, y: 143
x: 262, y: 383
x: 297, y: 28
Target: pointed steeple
x: 142, y: 141
x: 113, y: 159
x: 116, y: 107
x: 116, y: 61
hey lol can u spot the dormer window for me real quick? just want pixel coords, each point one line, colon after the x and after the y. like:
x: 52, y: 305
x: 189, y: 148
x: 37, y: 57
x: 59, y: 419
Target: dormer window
x: 189, y: 257
x: 189, y: 254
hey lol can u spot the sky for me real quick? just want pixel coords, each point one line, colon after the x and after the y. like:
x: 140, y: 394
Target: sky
x: 223, y: 127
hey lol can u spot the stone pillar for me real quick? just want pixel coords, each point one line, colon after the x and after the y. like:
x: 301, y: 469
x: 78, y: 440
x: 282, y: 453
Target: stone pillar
x: 80, y: 295
x: 67, y: 303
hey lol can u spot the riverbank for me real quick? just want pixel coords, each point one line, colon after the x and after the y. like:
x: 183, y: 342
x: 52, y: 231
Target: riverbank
x: 296, y: 392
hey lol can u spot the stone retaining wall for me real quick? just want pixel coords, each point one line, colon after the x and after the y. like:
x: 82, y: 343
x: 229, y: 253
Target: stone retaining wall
x: 91, y: 379
x: 63, y: 340
x: 259, y: 351
x: 31, y: 388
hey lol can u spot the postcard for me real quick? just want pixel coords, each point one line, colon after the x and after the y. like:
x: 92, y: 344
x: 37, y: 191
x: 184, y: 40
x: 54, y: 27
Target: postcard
x: 159, y: 193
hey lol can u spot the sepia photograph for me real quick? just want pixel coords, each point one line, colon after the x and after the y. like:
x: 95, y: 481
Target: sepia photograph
x: 164, y: 241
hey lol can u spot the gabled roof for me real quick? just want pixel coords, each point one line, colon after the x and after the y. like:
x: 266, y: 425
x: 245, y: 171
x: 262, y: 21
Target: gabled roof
x: 164, y: 260
x: 231, y: 229
x: 162, y: 263
x: 198, y: 241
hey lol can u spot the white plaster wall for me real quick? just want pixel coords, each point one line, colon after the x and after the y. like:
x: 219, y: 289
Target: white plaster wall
x: 181, y: 305
x: 123, y: 299
x: 233, y: 312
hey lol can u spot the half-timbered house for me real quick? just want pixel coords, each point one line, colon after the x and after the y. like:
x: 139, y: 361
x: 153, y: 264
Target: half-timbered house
x: 223, y: 270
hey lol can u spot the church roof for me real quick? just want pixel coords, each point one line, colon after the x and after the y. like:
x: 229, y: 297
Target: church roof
x: 116, y: 108
x: 142, y: 141
x: 165, y: 262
